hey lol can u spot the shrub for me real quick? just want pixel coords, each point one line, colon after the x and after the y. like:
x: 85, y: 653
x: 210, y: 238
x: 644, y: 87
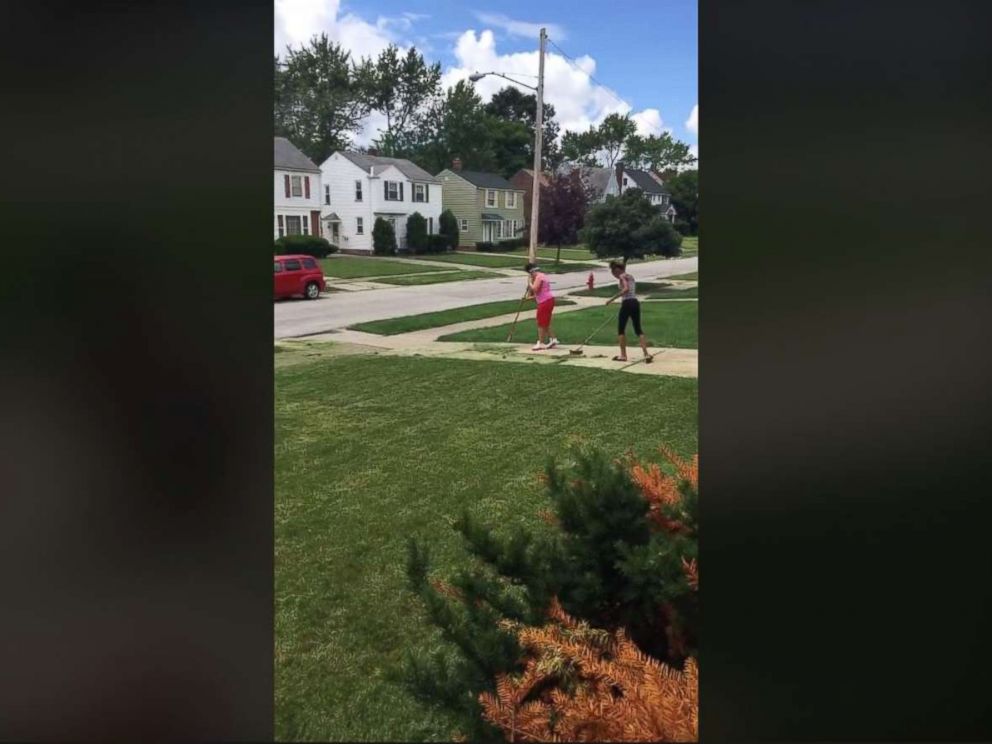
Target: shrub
x: 309, y: 245
x: 621, y: 560
x: 416, y: 233
x: 502, y: 246
x: 383, y: 238
x: 448, y: 226
x: 629, y: 226
x: 436, y: 244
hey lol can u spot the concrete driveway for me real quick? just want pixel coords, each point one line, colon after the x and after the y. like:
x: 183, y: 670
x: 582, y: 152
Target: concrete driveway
x: 336, y: 310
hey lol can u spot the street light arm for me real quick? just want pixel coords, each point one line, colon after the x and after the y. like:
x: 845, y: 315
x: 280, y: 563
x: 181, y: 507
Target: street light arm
x: 479, y: 75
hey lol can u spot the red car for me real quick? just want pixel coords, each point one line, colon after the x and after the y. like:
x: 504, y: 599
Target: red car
x: 298, y: 275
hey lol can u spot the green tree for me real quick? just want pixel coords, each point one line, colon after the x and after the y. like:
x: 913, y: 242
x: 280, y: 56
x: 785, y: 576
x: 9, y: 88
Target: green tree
x: 629, y: 226
x: 684, y: 188
x: 397, y: 87
x: 614, y: 131
x: 658, y: 153
x: 383, y: 238
x: 416, y: 232
x: 564, y: 201
x: 454, y: 124
x: 319, y: 100
x: 511, y: 104
x: 448, y: 227
x: 581, y: 148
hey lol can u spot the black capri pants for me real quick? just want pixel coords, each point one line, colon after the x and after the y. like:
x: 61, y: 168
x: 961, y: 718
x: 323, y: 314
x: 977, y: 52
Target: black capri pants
x: 630, y: 309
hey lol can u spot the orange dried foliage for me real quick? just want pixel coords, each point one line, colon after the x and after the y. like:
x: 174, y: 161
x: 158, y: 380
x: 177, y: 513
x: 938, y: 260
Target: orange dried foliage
x: 618, y: 693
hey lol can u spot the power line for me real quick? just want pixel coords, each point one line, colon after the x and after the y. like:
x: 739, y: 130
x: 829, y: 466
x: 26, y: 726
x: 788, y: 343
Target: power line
x: 588, y: 75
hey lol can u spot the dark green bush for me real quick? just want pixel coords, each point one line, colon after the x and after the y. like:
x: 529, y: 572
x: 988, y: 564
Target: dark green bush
x: 308, y: 245
x: 383, y: 238
x: 503, y: 246
x: 437, y: 244
x: 448, y: 226
x: 416, y: 233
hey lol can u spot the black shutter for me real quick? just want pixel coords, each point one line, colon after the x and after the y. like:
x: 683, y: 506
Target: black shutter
x: 385, y: 189
x: 401, y: 191
x: 427, y: 192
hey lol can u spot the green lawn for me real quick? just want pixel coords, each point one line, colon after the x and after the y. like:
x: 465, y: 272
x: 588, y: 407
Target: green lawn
x: 673, y: 294
x: 608, y: 290
x: 479, y: 259
x: 373, y: 450
x: 694, y: 276
x: 353, y: 267
x: 409, y: 323
x: 672, y: 324
x: 447, y: 276
x: 550, y: 267
x: 690, y: 243
x: 568, y: 253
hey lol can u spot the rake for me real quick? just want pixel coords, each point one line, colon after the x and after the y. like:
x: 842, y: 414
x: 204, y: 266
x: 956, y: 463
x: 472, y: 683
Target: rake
x: 578, y: 350
x: 517, y: 316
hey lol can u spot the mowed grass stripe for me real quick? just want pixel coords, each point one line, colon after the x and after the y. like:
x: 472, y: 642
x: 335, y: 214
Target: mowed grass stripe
x: 668, y: 324
x: 405, y: 324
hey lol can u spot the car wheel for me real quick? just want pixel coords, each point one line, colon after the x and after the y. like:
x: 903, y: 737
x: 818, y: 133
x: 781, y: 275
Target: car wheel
x: 312, y: 291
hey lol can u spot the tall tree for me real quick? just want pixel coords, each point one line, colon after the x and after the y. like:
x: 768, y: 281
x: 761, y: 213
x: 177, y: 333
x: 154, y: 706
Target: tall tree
x: 397, y: 87
x: 564, y: 200
x: 658, y: 153
x: 614, y: 131
x: 454, y: 124
x: 685, y: 198
x: 319, y: 101
x: 511, y: 104
x: 581, y: 148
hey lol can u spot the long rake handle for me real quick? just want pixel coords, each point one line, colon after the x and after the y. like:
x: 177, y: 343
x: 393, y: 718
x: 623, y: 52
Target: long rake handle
x: 598, y: 329
x: 516, y: 317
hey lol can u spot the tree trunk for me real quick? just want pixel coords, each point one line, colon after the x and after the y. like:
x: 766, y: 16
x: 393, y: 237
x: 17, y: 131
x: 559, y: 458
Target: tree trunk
x: 558, y: 255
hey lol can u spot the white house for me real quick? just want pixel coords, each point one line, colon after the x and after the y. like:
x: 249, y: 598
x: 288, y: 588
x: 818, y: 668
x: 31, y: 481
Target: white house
x: 604, y: 182
x: 358, y: 188
x: 296, y: 195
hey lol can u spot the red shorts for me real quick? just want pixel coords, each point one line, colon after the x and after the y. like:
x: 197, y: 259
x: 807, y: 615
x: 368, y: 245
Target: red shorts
x: 544, y: 313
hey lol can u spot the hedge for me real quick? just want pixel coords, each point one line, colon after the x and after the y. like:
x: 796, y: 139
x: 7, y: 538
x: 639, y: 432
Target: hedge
x: 308, y: 245
x: 503, y: 245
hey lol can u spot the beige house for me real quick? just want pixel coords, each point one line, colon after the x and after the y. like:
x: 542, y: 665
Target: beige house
x: 487, y: 206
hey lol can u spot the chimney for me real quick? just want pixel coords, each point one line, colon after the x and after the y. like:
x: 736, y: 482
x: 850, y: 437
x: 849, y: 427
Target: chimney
x: 374, y: 152
x: 620, y: 176
x: 456, y: 164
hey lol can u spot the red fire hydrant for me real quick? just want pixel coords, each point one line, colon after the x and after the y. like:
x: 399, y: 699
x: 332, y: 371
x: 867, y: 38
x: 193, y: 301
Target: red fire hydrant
x: 590, y: 282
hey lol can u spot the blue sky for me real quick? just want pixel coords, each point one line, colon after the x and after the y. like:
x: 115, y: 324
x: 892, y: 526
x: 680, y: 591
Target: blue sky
x: 642, y: 56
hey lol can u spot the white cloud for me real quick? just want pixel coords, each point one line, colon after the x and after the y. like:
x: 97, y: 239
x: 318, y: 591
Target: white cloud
x: 692, y: 123
x: 649, y: 122
x: 297, y: 21
x: 579, y: 102
x: 520, y: 28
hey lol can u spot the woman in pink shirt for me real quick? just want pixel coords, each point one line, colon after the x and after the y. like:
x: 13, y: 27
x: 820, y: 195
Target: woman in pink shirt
x: 540, y: 289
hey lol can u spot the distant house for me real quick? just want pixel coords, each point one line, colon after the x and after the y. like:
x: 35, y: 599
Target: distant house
x: 297, y: 188
x: 487, y: 206
x: 524, y: 179
x: 604, y: 182
x: 358, y: 188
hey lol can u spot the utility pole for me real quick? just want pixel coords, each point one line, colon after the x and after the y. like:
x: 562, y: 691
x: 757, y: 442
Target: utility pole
x: 538, y: 132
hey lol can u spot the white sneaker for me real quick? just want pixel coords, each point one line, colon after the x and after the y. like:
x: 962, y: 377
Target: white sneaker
x: 538, y: 347
x: 553, y: 343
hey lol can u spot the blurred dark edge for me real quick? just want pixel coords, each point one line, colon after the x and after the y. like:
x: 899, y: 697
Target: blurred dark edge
x: 136, y: 395
x: 845, y: 370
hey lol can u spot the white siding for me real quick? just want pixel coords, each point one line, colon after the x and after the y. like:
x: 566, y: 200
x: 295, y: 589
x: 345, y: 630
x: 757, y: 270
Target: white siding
x: 340, y: 174
x: 295, y: 206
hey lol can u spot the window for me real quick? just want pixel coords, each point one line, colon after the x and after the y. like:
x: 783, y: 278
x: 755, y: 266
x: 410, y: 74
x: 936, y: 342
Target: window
x: 625, y: 181
x: 297, y: 183
x: 293, y: 226
x: 511, y: 199
x: 359, y: 226
x: 292, y: 264
x: 498, y: 229
x: 305, y: 230
x: 430, y: 225
x: 278, y: 267
x: 281, y: 230
x: 327, y: 195
x: 513, y: 224
x: 392, y: 191
x: 358, y: 193
x: 419, y: 192
x: 309, y: 263
x: 490, y: 198
x: 463, y: 225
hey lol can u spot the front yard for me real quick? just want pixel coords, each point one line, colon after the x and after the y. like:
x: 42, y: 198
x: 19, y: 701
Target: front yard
x: 357, y: 267
x: 373, y: 450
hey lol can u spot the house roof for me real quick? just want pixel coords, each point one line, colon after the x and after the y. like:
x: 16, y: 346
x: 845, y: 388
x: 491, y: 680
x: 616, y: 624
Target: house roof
x: 378, y: 164
x: 332, y: 217
x: 545, y: 177
x: 596, y: 179
x: 486, y: 180
x: 289, y: 157
x: 644, y: 181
